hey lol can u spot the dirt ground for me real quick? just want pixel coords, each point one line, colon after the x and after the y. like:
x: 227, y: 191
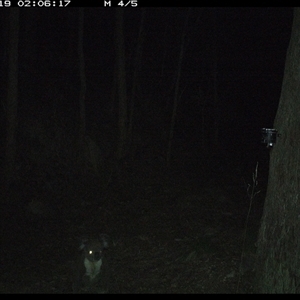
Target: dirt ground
x: 180, y: 231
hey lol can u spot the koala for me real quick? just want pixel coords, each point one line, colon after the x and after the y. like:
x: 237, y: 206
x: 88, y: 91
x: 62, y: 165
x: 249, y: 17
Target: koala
x: 89, y: 273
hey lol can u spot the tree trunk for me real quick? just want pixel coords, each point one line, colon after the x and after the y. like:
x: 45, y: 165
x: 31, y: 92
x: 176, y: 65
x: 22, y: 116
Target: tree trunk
x: 121, y: 83
x: 176, y: 93
x: 82, y: 119
x: 12, y: 96
x: 216, y: 104
x: 278, y: 252
x: 135, y: 80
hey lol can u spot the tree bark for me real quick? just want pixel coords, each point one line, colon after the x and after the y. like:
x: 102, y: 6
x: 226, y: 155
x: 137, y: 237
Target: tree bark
x: 278, y: 252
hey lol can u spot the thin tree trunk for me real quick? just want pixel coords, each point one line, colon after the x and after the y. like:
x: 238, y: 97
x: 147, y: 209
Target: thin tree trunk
x: 176, y: 93
x: 137, y: 67
x: 82, y: 112
x: 121, y: 83
x: 215, y: 82
x: 12, y: 96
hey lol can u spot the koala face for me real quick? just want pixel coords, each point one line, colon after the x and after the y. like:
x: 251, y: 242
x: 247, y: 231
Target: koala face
x: 93, y: 249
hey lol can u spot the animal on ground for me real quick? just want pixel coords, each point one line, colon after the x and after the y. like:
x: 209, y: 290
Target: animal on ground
x: 89, y: 269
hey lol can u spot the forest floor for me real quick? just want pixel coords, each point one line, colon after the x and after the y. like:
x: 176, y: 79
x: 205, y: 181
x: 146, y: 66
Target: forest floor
x: 181, y: 232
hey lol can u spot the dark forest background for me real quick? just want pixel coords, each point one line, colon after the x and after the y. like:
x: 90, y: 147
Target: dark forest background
x: 238, y: 53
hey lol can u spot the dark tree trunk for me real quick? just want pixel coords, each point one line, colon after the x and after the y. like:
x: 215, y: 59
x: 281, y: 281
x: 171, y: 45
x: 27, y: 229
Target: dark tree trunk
x: 176, y: 93
x: 12, y: 96
x: 82, y: 119
x: 121, y: 83
x: 278, y: 253
x: 216, y: 104
x: 135, y: 81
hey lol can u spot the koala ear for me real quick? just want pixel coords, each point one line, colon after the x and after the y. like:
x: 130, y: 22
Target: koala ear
x: 83, y: 244
x: 104, y: 240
